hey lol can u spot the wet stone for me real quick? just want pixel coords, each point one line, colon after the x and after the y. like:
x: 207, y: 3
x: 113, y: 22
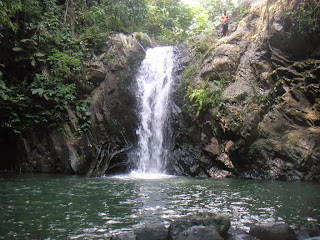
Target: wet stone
x: 273, y: 231
x: 199, y: 233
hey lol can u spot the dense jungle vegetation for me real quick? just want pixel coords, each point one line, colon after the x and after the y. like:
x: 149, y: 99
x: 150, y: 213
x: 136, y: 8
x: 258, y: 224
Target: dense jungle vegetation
x: 44, y: 44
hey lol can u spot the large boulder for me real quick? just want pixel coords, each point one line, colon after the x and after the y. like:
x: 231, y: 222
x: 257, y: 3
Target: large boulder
x: 199, y: 233
x: 242, y: 236
x: 273, y: 231
x: 237, y: 234
x: 311, y: 229
x: 124, y: 236
x: 220, y: 222
x: 152, y: 231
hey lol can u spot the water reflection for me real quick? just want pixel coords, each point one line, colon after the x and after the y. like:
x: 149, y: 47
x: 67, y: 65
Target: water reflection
x: 77, y: 208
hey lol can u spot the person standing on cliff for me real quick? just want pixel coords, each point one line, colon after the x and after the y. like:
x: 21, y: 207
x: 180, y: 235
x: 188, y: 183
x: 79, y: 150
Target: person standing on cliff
x: 225, y: 21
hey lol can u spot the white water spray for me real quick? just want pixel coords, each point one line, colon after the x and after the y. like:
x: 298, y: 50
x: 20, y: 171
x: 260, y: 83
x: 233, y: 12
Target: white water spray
x: 154, y: 81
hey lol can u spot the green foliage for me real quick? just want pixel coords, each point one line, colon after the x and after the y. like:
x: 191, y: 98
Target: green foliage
x: 169, y: 20
x: 3, y: 88
x: 13, y: 102
x: 8, y: 10
x: 202, y: 43
x: 187, y: 74
x: 201, y: 22
x: 201, y: 97
x: 63, y: 66
x: 59, y: 93
x: 206, y: 96
x: 84, y: 115
x: 126, y: 14
x: 308, y: 17
x: 46, y: 104
x: 215, y: 9
x: 255, y: 150
x: 45, y: 42
x: 243, y: 10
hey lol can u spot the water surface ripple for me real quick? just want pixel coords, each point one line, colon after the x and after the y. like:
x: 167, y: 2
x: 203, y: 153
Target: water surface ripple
x: 60, y: 207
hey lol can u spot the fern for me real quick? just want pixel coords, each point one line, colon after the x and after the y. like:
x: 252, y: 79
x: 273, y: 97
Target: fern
x: 206, y: 96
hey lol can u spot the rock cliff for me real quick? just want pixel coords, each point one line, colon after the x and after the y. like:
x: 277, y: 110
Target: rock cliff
x: 266, y: 122
x: 109, y: 89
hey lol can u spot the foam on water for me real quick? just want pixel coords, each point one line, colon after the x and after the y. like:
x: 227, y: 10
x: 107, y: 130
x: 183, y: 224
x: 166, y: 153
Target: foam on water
x: 142, y: 175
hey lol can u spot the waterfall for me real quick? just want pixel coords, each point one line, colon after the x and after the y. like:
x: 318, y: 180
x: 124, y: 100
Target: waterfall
x: 154, y: 80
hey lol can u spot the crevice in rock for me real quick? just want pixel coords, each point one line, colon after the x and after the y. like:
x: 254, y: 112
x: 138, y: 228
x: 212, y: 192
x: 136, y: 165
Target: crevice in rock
x: 8, y: 150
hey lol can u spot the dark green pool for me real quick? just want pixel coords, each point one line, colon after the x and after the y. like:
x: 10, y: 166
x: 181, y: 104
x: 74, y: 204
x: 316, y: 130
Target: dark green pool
x: 70, y: 207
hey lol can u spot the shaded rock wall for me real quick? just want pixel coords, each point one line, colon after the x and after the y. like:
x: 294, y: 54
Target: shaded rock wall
x: 267, y: 123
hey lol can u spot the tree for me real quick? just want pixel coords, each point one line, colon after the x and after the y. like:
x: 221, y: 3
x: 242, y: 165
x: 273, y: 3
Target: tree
x: 169, y: 19
x: 125, y: 15
x: 8, y: 11
x: 216, y: 8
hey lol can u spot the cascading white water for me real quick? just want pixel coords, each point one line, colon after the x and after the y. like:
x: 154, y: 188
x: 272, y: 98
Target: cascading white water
x: 154, y: 80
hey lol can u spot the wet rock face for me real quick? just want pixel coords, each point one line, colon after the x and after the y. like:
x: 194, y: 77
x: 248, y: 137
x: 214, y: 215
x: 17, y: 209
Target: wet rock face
x: 270, y: 109
x: 109, y: 88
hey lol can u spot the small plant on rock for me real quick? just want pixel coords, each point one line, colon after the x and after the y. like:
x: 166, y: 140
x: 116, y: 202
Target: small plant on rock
x: 206, y: 95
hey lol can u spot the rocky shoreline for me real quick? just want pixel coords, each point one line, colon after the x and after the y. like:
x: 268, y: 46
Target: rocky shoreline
x: 212, y: 226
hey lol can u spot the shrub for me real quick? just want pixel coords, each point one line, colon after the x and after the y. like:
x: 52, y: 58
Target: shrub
x: 206, y: 96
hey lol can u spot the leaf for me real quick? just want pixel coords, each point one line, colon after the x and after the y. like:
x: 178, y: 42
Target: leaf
x: 41, y: 91
x: 46, y: 97
x: 17, y: 49
x: 34, y: 91
x: 33, y: 63
x: 38, y: 54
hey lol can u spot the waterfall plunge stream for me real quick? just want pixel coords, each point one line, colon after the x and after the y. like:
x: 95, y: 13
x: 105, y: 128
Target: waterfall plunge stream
x: 154, y: 80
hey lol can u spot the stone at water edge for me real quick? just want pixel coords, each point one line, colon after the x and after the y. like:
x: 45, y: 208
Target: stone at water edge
x: 311, y: 229
x: 236, y: 234
x: 124, y: 236
x: 273, y: 231
x: 152, y: 231
x: 243, y: 236
x: 220, y: 222
x: 199, y: 233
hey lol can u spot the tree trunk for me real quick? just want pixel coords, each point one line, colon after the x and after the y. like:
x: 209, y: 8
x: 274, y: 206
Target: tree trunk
x: 69, y: 16
x: 72, y: 16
